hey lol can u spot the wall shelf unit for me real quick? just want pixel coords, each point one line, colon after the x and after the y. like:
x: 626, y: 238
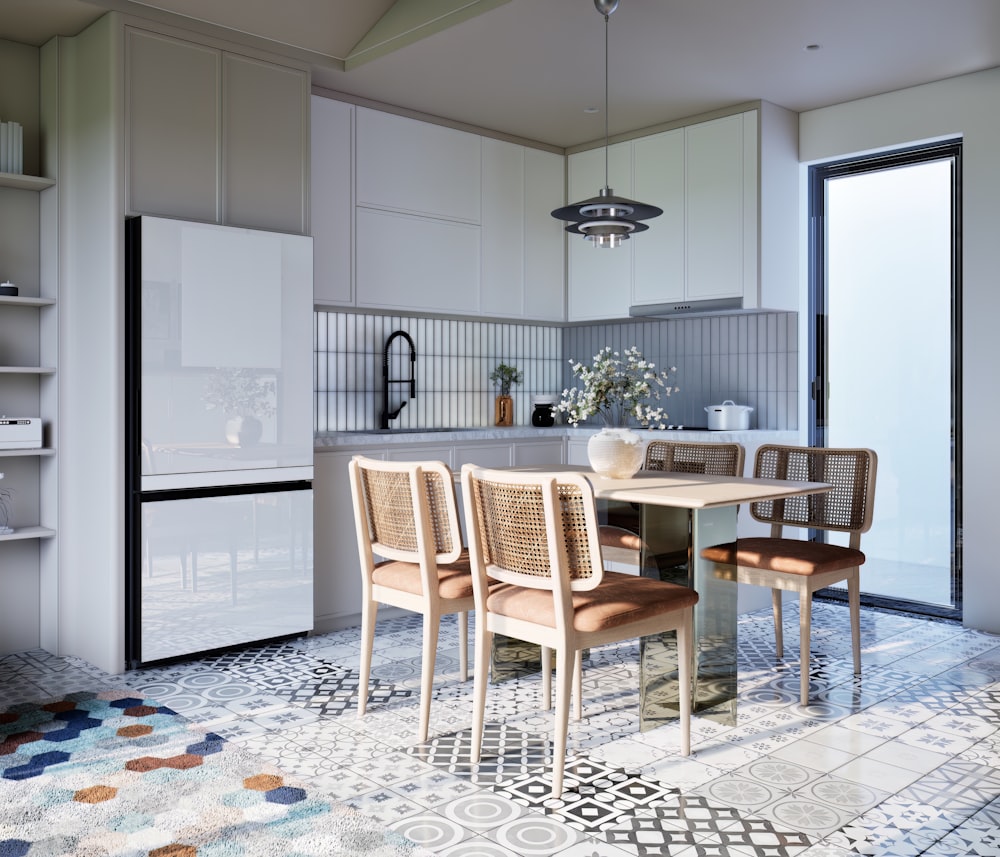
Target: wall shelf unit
x: 23, y: 182
x: 21, y: 533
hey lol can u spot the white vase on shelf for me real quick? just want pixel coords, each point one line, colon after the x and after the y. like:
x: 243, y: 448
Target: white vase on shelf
x: 615, y: 452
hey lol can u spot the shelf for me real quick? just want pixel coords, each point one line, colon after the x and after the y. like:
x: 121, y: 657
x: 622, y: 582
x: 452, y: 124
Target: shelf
x: 8, y: 300
x: 28, y: 533
x: 26, y: 370
x: 42, y: 451
x: 23, y: 182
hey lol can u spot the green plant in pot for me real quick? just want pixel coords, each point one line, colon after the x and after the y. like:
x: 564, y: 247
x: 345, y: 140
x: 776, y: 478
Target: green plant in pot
x: 245, y: 396
x: 504, y: 377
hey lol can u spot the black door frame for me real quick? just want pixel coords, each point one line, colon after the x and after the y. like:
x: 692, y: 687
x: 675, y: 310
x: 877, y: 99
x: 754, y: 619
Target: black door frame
x: 818, y: 321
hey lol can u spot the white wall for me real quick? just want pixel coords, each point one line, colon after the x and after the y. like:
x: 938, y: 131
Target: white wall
x: 90, y: 433
x: 970, y: 106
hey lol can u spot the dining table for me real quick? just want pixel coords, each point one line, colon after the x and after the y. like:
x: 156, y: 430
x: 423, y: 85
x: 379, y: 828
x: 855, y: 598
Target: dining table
x: 680, y: 514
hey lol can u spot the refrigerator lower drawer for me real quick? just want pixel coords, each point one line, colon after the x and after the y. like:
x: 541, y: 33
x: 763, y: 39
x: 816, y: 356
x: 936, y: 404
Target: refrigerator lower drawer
x: 223, y: 571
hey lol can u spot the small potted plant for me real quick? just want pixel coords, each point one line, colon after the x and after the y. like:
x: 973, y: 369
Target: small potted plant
x: 504, y: 377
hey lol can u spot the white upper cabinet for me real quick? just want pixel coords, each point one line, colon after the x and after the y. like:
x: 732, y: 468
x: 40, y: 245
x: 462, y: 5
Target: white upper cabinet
x: 600, y: 279
x: 412, y: 216
x: 332, y: 201
x: 544, y: 265
x: 417, y: 168
x: 174, y: 126
x: 522, y: 249
x: 214, y: 135
x: 416, y: 263
x: 721, y: 215
x: 704, y: 245
x: 658, y: 165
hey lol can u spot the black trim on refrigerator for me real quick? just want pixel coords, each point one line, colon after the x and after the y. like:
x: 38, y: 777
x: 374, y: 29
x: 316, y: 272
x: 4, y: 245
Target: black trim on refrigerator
x: 133, y: 446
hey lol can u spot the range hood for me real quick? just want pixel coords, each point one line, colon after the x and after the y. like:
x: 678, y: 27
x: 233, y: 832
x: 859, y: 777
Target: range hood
x: 685, y: 307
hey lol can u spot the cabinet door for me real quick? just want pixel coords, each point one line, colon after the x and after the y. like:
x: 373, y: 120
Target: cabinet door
x: 538, y: 452
x: 416, y: 263
x: 265, y: 144
x: 332, y: 206
x: 174, y: 132
x: 417, y: 167
x: 600, y: 279
x: 487, y: 454
x: 715, y: 211
x: 544, y: 238
x: 659, y: 253
x: 337, y: 592
x: 503, y: 287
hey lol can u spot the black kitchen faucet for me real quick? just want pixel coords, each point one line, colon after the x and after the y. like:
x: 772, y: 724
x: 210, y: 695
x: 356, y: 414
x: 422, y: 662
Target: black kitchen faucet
x: 386, y: 380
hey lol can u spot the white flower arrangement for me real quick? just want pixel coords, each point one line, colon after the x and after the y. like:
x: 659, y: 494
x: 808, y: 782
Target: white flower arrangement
x: 617, y: 387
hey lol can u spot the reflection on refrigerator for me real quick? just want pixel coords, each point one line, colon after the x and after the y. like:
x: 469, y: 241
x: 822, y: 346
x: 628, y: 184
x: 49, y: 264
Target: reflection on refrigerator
x: 219, y: 444
x: 225, y: 569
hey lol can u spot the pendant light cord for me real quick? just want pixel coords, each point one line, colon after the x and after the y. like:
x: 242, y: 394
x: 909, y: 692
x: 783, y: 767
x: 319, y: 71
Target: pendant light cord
x: 607, y: 16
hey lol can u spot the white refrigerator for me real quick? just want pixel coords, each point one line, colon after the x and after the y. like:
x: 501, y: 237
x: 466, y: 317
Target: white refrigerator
x: 219, y: 437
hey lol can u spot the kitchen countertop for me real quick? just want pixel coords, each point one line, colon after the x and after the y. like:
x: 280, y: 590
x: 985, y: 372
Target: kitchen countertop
x: 375, y: 437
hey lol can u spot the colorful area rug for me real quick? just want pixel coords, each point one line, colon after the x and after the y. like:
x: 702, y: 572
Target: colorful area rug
x: 112, y: 774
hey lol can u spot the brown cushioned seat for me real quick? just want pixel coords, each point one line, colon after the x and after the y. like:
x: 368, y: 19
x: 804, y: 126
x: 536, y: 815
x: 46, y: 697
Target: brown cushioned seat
x: 620, y: 600
x: 791, y: 556
x: 454, y: 579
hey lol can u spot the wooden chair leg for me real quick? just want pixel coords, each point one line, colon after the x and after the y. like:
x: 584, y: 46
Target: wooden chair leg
x: 564, y: 683
x: 854, y: 599
x: 578, y: 685
x: 685, y: 655
x: 463, y: 645
x: 480, y: 676
x: 432, y: 622
x: 368, y: 612
x: 805, y: 629
x: 546, y: 679
x: 779, y: 637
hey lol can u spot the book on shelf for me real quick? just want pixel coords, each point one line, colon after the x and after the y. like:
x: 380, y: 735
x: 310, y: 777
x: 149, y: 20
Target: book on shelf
x: 11, y: 147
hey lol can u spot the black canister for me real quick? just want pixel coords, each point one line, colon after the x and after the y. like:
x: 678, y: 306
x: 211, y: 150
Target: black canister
x: 541, y: 412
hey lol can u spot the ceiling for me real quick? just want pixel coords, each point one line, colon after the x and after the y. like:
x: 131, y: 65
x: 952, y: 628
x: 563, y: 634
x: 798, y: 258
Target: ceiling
x: 531, y: 68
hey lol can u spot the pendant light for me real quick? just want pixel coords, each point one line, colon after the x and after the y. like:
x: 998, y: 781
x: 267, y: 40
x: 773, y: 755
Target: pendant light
x: 606, y: 220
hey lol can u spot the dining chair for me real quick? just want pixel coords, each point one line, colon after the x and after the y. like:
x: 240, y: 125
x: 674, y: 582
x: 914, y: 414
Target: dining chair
x: 406, y: 513
x: 796, y: 565
x: 620, y: 537
x: 536, y: 535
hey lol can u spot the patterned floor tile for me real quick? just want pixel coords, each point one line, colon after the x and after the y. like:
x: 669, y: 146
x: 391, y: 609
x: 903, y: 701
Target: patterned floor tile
x: 902, y: 760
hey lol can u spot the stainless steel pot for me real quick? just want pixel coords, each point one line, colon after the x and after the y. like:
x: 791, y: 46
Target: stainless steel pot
x: 728, y: 416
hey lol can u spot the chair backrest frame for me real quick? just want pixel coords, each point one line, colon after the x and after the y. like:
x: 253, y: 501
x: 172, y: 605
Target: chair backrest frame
x: 405, y: 511
x: 847, y: 508
x: 534, y: 530
x: 676, y: 456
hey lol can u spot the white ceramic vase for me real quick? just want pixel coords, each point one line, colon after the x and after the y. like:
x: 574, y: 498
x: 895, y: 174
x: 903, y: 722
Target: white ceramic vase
x: 615, y: 452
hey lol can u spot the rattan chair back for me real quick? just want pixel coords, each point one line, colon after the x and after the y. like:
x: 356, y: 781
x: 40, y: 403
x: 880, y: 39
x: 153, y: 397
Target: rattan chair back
x: 847, y: 508
x: 715, y: 459
x: 519, y: 544
x: 393, y: 495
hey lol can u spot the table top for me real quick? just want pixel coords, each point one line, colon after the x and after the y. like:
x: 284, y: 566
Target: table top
x: 685, y: 490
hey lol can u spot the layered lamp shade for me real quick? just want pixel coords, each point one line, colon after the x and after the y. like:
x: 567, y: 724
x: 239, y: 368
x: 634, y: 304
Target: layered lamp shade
x: 606, y: 220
